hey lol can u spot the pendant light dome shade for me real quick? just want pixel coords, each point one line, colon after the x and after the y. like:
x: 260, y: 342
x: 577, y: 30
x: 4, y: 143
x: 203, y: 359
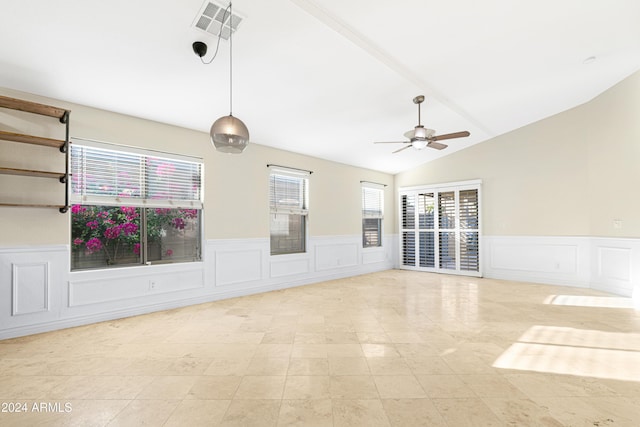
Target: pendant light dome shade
x: 229, y: 135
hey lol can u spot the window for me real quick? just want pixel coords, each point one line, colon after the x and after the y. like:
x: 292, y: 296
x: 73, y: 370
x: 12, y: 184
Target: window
x: 133, y: 207
x: 288, y: 205
x: 440, y: 228
x: 372, y: 208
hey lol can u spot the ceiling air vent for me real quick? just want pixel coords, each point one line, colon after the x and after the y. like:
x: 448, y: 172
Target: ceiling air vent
x: 213, y: 19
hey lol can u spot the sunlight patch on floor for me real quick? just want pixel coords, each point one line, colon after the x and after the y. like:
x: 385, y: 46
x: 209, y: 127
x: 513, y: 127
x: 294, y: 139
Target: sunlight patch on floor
x: 570, y: 351
x: 590, y: 301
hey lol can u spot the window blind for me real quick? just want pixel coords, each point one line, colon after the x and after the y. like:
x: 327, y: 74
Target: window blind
x: 111, y: 177
x: 288, y: 192
x: 288, y: 204
x: 372, y: 214
x: 372, y: 202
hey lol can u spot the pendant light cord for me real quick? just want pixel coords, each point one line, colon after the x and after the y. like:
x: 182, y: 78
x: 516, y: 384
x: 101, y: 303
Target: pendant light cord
x: 224, y: 17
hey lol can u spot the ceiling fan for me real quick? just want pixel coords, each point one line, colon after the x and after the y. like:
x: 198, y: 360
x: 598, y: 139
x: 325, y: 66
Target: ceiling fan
x: 421, y: 137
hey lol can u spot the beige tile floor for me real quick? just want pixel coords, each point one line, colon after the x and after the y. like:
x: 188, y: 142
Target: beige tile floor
x: 395, y: 348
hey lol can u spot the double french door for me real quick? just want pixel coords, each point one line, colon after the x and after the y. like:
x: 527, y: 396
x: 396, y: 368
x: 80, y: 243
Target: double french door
x: 440, y: 228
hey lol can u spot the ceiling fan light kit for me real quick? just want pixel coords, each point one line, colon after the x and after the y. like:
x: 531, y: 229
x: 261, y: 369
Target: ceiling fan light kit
x: 421, y: 137
x: 228, y: 134
x: 419, y: 144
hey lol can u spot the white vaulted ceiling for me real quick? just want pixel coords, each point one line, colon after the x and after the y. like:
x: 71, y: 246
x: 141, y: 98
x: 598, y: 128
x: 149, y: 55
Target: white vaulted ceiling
x: 327, y: 77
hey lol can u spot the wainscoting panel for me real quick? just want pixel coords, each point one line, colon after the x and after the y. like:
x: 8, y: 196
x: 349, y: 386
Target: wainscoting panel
x: 607, y: 264
x: 103, y: 286
x: 31, y: 280
x: 289, y: 265
x: 551, y: 260
x: 238, y: 266
x: 616, y: 265
x: 375, y: 255
x: 336, y: 255
x: 30, y: 286
x: 538, y: 258
x: 232, y: 263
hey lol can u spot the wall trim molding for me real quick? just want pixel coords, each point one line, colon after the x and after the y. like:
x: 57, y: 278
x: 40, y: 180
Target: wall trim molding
x: 31, y: 248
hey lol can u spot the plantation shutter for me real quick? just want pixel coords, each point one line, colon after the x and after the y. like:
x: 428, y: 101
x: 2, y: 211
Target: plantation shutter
x: 408, y: 221
x: 469, y: 233
x: 426, y: 225
x: 440, y: 228
x: 105, y: 174
x: 447, y: 226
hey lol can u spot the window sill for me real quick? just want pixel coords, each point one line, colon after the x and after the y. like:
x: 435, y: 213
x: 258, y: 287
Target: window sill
x: 289, y: 256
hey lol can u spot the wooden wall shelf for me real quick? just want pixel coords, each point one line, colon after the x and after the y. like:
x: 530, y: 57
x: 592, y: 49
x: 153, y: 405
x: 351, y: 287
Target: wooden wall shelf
x: 30, y: 139
x: 32, y: 205
x: 27, y: 172
x: 63, y: 145
x: 32, y: 107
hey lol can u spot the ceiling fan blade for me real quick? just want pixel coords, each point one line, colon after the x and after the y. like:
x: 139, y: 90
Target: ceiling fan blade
x: 392, y: 142
x: 450, y: 136
x: 403, y: 148
x: 437, y: 145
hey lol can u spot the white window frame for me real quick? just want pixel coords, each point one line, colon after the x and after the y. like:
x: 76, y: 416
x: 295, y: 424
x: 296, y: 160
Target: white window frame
x: 379, y: 189
x: 302, y: 210
x: 142, y: 202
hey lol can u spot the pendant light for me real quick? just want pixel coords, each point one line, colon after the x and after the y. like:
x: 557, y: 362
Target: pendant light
x: 228, y: 134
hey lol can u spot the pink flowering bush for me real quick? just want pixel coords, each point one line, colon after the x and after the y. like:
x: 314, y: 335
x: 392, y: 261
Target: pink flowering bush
x: 114, y: 232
